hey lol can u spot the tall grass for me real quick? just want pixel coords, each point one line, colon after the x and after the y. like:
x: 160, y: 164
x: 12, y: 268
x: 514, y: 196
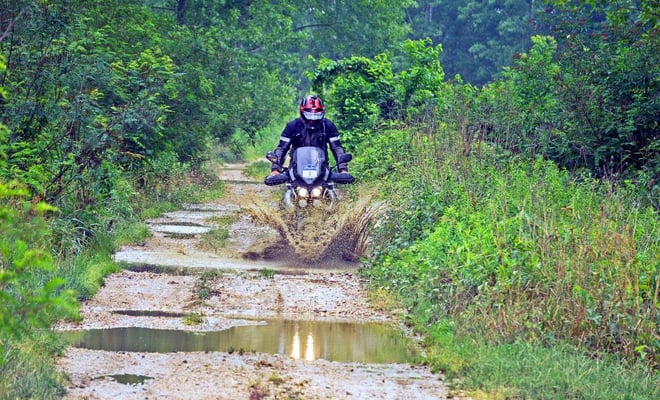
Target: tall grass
x: 28, y: 372
x: 521, y: 370
x: 513, y: 251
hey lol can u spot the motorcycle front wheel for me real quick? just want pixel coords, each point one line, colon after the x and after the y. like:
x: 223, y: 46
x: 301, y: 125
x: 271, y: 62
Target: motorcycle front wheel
x: 289, y: 200
x: 330, y: 199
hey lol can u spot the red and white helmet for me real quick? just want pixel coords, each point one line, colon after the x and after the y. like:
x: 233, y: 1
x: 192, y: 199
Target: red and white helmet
x: 312, y: 108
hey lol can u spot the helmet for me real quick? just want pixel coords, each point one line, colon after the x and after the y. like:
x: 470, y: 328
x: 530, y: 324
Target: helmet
x: 312, y: 108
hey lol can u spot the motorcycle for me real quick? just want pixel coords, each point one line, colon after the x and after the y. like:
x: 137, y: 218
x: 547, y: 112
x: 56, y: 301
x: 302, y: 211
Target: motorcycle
x: 309, y: 180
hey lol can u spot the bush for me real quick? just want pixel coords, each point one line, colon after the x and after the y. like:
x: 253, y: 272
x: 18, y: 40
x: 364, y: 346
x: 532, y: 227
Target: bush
x: 535, y: 255
x: 32, y: 297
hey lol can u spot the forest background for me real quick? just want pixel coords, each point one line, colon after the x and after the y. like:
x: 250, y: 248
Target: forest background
x: 516, y: 143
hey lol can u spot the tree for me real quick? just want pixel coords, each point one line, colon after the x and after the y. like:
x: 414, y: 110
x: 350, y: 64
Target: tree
x: 609, y: 86
x: 478, y: 37
x: 24, y: 254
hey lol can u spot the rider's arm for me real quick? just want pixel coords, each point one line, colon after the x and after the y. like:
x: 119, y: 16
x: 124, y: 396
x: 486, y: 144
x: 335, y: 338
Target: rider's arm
x: 283, y: 146
x: 332, y: 136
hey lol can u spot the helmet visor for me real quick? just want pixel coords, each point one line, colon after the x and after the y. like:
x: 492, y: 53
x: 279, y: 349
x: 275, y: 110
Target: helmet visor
x: 313, y: 116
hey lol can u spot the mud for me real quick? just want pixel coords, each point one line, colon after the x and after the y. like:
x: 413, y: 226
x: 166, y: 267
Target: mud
x: 255, y: 275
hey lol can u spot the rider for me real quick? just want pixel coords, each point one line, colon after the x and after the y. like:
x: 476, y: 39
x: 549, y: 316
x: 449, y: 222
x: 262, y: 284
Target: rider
x: 310, y: 129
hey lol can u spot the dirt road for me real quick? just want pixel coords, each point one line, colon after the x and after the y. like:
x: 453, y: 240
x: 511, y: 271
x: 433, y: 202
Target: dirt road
x: 181, y: 281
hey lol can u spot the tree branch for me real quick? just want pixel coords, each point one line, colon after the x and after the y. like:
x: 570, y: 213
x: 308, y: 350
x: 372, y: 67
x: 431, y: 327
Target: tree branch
x: 11, y: 23
x: 300, y: 28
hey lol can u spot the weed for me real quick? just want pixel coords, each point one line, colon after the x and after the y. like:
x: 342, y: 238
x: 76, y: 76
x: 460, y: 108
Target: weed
x: 224, y: 220
x: 266, y: 273
x: 27, y: 371
x: 526, y: 256
x: 383, y: 299
x: 132, y: 233
x: 257, y: 169
x: 193, y: 318
x: 276, y: 379
x: 214, y: 239
x: 204, y: 285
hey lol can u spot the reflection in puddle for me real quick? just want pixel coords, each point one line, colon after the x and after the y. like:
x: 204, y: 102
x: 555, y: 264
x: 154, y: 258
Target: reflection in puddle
x: 334, y: 341
x: 127, y: 379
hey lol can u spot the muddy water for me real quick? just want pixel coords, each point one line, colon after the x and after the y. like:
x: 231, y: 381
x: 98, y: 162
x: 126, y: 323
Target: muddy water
x: 316, y: 234
x: 309, y: 340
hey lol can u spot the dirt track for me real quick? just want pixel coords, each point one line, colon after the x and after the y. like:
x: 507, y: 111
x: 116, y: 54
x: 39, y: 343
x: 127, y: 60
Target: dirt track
x: 250, y: 280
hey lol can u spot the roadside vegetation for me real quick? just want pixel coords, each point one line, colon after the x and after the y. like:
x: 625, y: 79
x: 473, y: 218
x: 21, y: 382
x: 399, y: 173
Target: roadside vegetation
x: 523, y: 243
x: 521, y: 232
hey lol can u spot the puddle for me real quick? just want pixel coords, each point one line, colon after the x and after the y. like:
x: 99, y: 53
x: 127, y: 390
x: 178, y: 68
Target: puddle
x: 181, y: 229
x: 209, y: 207
x: 127, y: 379
x: 150, y: 313
x: 309, y: 340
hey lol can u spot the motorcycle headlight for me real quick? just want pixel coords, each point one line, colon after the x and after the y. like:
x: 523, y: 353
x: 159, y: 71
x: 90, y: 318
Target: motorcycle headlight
x: 317, y: 191
x: 302, y: 192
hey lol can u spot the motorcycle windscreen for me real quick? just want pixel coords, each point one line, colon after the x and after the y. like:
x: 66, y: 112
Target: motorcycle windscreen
x: 309, y: 163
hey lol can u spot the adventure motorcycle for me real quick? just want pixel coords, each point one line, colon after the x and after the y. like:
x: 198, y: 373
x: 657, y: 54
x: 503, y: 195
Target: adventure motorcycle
x: 308, y: 179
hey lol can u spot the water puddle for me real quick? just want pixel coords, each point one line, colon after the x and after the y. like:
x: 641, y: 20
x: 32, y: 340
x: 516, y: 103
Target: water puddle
x: 180, y: 228
x: 150, y: 313
x: 208, y: 208
x: 127, y: 379
x: 309, y: 340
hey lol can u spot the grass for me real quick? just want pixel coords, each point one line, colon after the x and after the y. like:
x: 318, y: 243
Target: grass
x: 258, y: 169
x: 528, y: 282
x: 276, y: 379
x: 215, y: 239
x: 266, y: 273
x: 193, y: 318
x: 204, y: 284
x: 27, y: 371
x: 525, y: 371
x: 132, y: 233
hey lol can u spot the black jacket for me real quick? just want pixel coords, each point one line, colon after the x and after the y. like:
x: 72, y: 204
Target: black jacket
x: 297, y: 133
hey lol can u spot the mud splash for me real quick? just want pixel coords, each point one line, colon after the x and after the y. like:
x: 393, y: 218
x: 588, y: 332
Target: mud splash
x: 316, y: 233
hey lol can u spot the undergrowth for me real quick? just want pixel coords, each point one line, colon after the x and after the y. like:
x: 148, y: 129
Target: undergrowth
x: 528, y: 259
x: 81, y: 260
x: 27, y: 371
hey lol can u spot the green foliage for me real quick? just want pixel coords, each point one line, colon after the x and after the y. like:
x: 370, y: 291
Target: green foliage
x: 361, y: 92
x: 521, y: 370
x: 266, y: 273
x: 193, y: 318
x: 132, y: 233
x: 28, y: 372
x: 31, y: 296
x: 215, y: 239
x: 521, y: 111
x: 422, y: 77
x: 258, y: 169
x: 591, y: 104
x: 204, y: 285
x: 358, y: 91
x: 479, y: 37
x: 532, y: 255
x: 84, y: 274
